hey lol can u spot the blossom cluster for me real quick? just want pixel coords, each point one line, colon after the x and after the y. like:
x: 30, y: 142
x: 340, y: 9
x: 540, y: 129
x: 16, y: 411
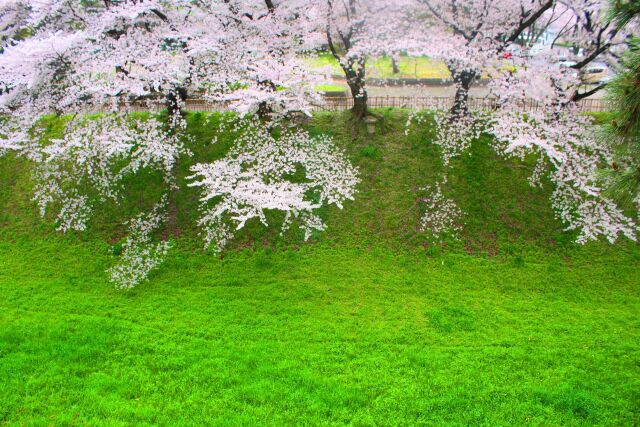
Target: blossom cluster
x: 88, y: 164
x: 140, y: 253
x: 568, y: 148
x: 293, y: 173
x: 442, y: 216
x: 456, y: 132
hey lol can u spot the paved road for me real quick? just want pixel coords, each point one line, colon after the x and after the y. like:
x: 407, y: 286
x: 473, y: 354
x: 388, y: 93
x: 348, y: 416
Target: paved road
x: 437, y: 91
x: 420, y: 91
x: 430, y: 91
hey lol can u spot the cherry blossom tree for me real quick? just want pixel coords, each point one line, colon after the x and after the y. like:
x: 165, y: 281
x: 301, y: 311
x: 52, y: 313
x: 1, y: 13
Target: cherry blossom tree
x: 470, y: 35
x: 556, y: 132
x: 564, y: 139
x: 357, y: 31
x: 345, y: 24
x: 112, y: 56
x: 260, y: 66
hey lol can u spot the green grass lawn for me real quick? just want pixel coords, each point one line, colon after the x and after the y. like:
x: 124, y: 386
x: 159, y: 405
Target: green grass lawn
x: 409, y: 66
x: 369, y: 323
x: 331, y: 88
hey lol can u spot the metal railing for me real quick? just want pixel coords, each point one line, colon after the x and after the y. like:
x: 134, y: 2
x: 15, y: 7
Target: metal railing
x: 445, y: 103
x: 406, y: 102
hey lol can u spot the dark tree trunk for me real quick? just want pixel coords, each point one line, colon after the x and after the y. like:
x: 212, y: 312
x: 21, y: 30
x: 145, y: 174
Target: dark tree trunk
x: 354, y: 67
x: 264, y: 108
x: 175, y: 100
x: 463, y: 82
x: 394, y: 65
x: 360, y: 97
x: 359, y: 109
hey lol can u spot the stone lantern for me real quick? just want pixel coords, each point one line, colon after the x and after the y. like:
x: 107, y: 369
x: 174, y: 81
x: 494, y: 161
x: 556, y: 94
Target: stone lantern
x: 371, y: 121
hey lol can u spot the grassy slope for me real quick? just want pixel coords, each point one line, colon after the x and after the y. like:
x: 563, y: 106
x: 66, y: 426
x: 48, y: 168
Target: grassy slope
x: 368, y: 324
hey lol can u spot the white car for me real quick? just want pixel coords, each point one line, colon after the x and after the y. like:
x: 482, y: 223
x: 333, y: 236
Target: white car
x: 595, y: 73
x: 537, y: 49
x: 565, y: 63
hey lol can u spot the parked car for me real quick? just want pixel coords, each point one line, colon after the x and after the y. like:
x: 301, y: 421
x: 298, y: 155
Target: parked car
x: 537, y: 49
x: 565, y: 63
x: 595, y: 73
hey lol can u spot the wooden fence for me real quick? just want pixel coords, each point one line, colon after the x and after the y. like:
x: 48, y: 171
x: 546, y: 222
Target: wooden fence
x: 412, y: 103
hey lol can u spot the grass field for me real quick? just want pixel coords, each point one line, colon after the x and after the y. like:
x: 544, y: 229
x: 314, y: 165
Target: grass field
x: 331, y: 88
x: 410, y: 67
x: 367, y: 324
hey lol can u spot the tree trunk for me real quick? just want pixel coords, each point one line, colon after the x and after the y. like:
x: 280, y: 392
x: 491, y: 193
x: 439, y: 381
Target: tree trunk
x: 264, y: 108
x: 394, y: 65
x: 359, y: 109
x: 360, y: 97
x: 175, y: 100
x: 463, y: 82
